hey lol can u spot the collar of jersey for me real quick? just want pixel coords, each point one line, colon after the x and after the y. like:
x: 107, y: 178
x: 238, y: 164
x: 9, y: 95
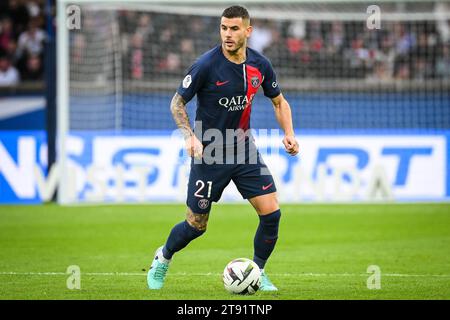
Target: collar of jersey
x: 236, y: 64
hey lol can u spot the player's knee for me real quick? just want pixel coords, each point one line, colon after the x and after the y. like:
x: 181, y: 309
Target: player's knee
x: 267, y: 206
x: 197, y: 221
x: 273, y: 205
x: 199, y: 226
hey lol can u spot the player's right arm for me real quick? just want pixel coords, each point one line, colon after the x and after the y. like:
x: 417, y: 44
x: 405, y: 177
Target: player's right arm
x: 191, y: 84
x: 178, y: 108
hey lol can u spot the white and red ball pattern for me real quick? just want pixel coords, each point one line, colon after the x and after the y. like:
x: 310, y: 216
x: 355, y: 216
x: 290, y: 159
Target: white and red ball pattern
x: 242, y: 276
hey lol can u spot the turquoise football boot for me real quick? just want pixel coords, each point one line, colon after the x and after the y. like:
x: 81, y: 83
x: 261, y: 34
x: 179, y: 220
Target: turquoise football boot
x: 157, y: 272
x: 266, y: 284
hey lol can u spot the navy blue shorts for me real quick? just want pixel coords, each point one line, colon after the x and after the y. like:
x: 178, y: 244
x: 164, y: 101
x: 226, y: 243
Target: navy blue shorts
x: 207, y: 182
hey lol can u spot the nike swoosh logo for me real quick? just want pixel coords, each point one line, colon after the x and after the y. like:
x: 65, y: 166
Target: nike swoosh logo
x: 218, y: 83
x: 267, y: 187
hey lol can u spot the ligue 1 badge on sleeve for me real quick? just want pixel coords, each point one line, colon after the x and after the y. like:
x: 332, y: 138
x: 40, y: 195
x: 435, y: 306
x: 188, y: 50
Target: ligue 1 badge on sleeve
x: 187, y: 81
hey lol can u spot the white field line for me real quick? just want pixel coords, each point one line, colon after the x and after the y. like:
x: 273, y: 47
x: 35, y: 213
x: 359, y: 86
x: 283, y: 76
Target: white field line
x: 182, y: 274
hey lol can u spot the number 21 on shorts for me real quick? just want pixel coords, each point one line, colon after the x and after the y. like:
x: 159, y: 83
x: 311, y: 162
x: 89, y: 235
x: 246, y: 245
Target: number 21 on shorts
x: 202, y: 186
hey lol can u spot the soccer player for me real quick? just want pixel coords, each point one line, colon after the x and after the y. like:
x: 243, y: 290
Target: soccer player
x: 225, y: 80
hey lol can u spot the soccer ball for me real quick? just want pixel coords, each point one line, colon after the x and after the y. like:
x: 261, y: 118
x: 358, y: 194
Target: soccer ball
x: 242, y: 276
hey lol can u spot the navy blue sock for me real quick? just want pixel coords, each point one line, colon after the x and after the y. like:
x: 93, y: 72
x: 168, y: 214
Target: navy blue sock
x: 179, y: 237
x: 266, y: 237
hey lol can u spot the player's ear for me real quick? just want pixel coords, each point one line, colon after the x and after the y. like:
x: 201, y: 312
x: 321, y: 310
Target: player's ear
x: 249, y: 30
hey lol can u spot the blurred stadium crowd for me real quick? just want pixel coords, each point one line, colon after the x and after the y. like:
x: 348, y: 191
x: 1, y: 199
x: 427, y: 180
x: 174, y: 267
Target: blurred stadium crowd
x: 312, y: 49
x: 160, y: 45
x: 22, y: 36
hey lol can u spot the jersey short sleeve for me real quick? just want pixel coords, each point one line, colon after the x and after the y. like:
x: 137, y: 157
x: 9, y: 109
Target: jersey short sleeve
x: 193, y: 80
x: 270, y: 84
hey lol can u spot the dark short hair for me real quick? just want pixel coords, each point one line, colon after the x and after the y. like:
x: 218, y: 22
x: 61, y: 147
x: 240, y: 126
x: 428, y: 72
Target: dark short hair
x: 236, y: 12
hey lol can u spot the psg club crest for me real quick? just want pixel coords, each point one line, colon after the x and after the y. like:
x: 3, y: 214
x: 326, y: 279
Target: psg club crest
x: 255, y: 82
x: 203, y: 203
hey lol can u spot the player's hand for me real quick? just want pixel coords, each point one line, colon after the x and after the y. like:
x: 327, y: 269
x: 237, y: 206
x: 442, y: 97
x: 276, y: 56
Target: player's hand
x: 291, y: 145
x: 194, y: 147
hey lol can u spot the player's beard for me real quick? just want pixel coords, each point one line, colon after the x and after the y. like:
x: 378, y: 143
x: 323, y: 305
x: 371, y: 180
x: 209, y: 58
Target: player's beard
x: 238, y: 46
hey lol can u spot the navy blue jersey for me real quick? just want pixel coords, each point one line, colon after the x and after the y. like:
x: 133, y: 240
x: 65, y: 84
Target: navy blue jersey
x: 225, y: 90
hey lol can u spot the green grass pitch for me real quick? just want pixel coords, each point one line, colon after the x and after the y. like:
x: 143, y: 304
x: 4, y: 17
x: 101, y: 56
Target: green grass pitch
x: 323, y: 251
